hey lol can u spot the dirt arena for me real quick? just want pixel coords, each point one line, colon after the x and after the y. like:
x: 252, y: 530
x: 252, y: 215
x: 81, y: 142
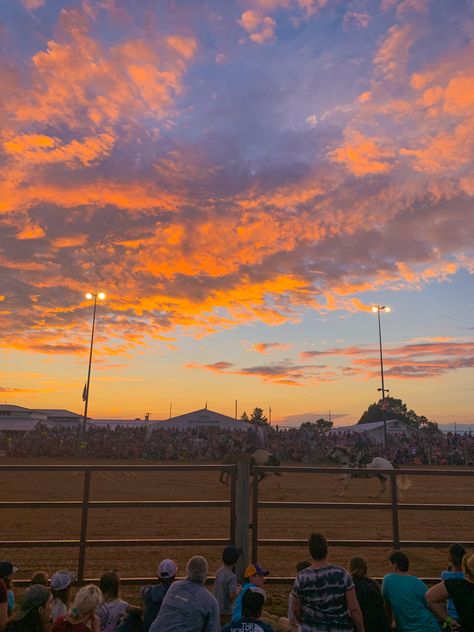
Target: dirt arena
x: 43, y: 524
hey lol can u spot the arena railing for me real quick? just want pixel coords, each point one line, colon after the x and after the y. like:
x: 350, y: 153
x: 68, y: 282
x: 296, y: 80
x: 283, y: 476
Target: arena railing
x: 394, y: 506
x: 83, y: 543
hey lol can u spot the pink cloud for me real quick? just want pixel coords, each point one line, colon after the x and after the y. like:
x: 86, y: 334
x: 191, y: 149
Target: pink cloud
x: 265, y: 347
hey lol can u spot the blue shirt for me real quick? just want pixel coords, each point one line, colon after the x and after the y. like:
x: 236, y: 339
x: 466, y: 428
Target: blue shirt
x: 152, y: 597
x: 187, y: 607
x: 237, y: 611
x: 406, y: 596
x: 452, y: 612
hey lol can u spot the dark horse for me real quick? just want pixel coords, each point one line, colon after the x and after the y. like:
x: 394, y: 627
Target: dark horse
x: 258, y: 457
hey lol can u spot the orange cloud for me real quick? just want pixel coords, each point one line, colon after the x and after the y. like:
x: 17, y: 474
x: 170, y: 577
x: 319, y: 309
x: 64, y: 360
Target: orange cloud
x: 362, y: 155
x: 265, y: 347
x: 261, y: 28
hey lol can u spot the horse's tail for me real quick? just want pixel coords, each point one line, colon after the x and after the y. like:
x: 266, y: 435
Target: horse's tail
x: 403, y: 483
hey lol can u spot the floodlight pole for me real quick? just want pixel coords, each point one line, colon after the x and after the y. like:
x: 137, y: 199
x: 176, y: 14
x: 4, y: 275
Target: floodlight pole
x: 86, y: 402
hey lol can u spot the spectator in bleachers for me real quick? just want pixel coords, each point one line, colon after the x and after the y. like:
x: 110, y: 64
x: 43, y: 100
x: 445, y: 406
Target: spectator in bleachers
x: 369, y: 597
x: 254, y: 576
x: 405, y: 598
x: 61, y: 590
x: 7, y: 570
x: 41, y: 578
x: 82, y: 617
x: 252, y: 606
x: 226, y: 588
x: 456, y: 553
x: 112, y: 609
x: 188, y: 606
x: 324, y: 595
x: 152, y: 596
x: 34, y: 613
x: 461, y: 591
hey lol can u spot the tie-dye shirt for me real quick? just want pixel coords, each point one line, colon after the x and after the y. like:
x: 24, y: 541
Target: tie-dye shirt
x: 322, y: 593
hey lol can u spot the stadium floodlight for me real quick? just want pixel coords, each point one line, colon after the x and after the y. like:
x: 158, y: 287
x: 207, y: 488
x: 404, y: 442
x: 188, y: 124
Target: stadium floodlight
x: 378, y: 309
x: 85, y: 393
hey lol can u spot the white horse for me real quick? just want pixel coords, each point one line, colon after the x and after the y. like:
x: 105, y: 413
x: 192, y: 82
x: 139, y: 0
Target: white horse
x: 258, y: 457
x: 349, y: 461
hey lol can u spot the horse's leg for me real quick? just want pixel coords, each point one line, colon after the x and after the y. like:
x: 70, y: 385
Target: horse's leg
x: 382, y: 481
x: 340, y: 478
x: 348, y: 478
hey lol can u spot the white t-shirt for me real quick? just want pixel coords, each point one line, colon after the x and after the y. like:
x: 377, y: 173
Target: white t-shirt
x: 111, y: 614
x: 59, y: 609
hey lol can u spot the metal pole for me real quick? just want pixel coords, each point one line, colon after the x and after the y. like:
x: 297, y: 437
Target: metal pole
x: 86, y: 404
x: 395, y: 523
x: 84, y: 519
x: 384, y: 412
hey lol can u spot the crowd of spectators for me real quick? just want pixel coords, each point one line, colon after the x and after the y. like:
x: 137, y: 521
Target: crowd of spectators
x: 325, y: 597
x: 214, y: 444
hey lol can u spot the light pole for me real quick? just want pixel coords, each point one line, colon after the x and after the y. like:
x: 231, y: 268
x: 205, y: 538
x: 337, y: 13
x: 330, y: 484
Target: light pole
x: 378, y: 309
x: 85, y: 395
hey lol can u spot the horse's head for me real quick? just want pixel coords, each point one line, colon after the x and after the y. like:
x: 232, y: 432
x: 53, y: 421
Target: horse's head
x: 339, y: 454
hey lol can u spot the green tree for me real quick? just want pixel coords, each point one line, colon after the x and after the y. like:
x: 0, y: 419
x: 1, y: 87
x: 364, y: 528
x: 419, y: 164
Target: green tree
x: 245, y: 417
x: 258, y: 418
x: 394, y: 409
x: 320, y: 425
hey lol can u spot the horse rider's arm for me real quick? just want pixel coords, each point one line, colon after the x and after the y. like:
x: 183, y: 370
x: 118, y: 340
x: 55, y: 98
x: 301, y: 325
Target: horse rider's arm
x: 296, y: 607
x: 436, y: 599
x: 354, y: 610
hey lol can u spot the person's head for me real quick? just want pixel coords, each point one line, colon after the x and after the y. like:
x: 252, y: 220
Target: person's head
x: 61, y: 585
x: 468, y: 567
x: 40, y: 578
x: 255, y: 574
x: 34, y: 613
x: 318, y: 547
x: 167, y: 570
x: 456, y: 552
x: 109, y: 584
x: 197, y: 569
x: 230, y: 555
x: 7, y: 571
x: 86, y: 601
x: 358, y: 567
x: 252, y: 604
x: 300, y: 566
x: 399, y: 561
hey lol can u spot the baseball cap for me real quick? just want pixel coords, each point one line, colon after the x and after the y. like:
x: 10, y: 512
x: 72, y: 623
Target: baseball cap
x: 255, y: 569
x: 61, y: 580
x: 34, y: 597
x: 6, y: 569
x: 166, y: 569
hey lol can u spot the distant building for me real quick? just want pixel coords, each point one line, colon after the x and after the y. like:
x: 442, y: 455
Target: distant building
x: 375, y: 431
x: 203, y: 418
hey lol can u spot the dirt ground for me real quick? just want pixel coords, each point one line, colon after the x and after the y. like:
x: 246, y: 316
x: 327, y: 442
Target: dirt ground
x: 43, y: 524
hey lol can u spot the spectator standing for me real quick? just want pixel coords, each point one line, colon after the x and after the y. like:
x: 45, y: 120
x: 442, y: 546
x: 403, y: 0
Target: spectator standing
x: 254, y: 576
x: 112, y: 609
x: 7, y: 571
x: 34, y: 613
x: 324, y: 598
x: 456, y: 552
x: 252, y: 605
x: 291, y: 622
x: 152, y: 596
x: 61, y: 590
x: 82, y: 616
x: 188, y: 606
x: 3, y: 604
x: 404, y: 597
x: 369, y: 597
x: 461, y: 591
x: 226, y: 588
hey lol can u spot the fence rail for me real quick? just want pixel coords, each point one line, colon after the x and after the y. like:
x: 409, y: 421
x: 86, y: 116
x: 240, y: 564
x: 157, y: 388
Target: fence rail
x: 394, y: 506
x: 83, y: 543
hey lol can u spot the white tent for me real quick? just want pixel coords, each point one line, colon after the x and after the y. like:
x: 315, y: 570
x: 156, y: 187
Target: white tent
x: 375, y: 431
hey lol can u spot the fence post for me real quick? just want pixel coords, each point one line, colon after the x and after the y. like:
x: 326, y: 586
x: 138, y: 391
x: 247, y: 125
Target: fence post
x: 233, y: 488
x: 242, y: 516
x: 255, y: 515
x: 395, y: 525
x: 84, y: 518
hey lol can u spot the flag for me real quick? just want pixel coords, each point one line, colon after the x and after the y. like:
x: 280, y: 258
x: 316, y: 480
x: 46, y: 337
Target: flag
x: 84, y: 393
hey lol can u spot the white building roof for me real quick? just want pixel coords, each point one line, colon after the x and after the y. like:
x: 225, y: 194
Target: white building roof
x: 370, y: 427
x: 203, y: 418
x: 18, y: 424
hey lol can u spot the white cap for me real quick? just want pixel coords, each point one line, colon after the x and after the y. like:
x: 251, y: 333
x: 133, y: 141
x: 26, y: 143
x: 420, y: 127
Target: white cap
x: 166, y: 569
x: 61, y: 580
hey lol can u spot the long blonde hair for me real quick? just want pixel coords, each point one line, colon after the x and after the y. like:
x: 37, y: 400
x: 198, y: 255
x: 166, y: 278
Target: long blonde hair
x: 468, y: 567
x: 86, y: 601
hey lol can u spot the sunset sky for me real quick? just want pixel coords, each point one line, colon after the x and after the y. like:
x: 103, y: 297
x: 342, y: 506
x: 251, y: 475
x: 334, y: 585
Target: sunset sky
x: 244, y: 179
